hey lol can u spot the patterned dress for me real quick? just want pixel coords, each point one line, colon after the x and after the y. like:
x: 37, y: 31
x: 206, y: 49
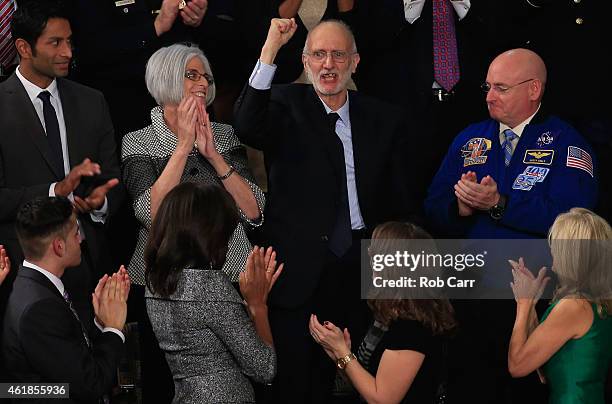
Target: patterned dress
x: 144, y: 155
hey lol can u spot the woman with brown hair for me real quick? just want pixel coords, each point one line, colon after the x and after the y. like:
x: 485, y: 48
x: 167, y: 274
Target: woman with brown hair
x: 400, y: 358
x: 213, y: 340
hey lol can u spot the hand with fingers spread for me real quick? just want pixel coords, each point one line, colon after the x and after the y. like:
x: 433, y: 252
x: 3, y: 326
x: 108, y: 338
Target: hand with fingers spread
x: 193, y: 12
x: 481, y: 196
x: 95, y: 200
x: 5, y: 264
x: 526, y: 287
x: 463, y: 208
x: 335, y: 342
x: 86, y: 169
x: 260, y: 275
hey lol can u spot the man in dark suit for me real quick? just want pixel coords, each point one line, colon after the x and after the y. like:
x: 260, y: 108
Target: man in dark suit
x: 396, y: 40
x: 337, y: 166
x: 56, y: 135
x: 44, y: 338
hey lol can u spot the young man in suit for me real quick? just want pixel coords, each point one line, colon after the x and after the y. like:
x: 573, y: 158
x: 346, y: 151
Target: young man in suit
x: 337, y: 166
x: 45, y: 340
x: 56, y: 135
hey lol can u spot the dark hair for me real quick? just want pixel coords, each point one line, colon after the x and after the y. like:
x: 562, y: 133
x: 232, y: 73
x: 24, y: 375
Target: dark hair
x: 192, y: 228
x: 31, y: 17
x: 435, y: 314
x: 40, y: 218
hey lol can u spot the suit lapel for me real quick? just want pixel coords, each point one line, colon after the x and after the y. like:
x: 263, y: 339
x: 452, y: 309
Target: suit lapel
x: 361, y: 133
x: 327, y: 138
x: 37, y: 277
x: 71, y: 120
x: 32, y: 125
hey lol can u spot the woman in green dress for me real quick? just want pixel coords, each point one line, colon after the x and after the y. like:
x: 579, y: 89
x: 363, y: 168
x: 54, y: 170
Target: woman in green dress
x: 571, y: 348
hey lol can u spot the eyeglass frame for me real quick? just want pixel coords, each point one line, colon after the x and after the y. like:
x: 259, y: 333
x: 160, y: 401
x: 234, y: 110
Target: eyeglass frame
x: 338, y: 53
x: 486, y: 87
x: 209, y: 79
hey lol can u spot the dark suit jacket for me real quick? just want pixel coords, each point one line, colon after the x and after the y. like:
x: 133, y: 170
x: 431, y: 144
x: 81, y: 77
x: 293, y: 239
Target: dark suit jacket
x: 304, y: 164
x: 25, y: 168
x: 43, y: 341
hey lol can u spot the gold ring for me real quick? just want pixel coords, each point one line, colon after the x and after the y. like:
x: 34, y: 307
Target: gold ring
x: 182, y: 4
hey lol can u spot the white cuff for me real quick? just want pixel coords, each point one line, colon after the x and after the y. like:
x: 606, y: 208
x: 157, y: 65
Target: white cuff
x: 262, y: 76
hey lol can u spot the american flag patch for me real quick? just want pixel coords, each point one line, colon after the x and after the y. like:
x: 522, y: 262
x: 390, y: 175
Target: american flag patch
x: 578, y: 158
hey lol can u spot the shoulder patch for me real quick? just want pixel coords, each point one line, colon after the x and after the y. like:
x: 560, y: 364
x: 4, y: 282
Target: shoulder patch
x: 580, y: 159
x: 475, y: 151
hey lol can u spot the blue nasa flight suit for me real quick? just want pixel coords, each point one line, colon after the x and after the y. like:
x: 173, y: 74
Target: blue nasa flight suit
x: 538, y: 183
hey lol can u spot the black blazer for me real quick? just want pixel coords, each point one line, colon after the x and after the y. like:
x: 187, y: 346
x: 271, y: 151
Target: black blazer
x: 304, y: 165
x: 43, y: 342
x: 25, y: 168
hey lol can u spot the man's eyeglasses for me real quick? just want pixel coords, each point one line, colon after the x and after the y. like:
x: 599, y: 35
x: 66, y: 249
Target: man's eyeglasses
x: 195, y: 75
x: 501, y: 89
x: 337, y: 56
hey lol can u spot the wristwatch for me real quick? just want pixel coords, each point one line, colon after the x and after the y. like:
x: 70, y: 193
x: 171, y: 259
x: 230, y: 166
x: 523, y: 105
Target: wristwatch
x: 342, y: 362
x: 497, y: 211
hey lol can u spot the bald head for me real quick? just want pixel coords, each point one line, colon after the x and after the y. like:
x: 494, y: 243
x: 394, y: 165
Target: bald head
x: 331, y: 27
x: 523, y: 63
x: 516, y: 79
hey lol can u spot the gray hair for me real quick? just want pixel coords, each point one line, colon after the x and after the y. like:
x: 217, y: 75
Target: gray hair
x: 165, y: 73
x: 344, y: 26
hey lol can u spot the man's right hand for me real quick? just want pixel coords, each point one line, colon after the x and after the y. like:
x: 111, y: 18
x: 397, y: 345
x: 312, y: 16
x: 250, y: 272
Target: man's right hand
x: 110, y: 306
x: 86, y: 169
x: 464, y: 208
x: 280, y: 32
x: 166, y: 17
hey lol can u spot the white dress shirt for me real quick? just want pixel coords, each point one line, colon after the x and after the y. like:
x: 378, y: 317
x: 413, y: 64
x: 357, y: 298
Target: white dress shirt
x: 97, y: 215
x: 413, y: 9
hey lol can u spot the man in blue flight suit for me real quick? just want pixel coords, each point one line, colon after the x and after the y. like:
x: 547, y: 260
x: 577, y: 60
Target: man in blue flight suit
x: 511, y: 175
x: 505, y: 178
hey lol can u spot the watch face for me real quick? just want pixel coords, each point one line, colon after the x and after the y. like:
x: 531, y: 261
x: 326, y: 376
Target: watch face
x: 496, y: 212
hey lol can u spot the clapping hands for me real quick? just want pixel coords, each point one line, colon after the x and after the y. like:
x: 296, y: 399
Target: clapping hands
x: 526, y: 287
x: 262, y: 271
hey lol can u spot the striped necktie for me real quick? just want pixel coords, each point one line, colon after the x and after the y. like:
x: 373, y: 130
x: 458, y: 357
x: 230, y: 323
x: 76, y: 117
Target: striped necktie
x: 509, y: 136
x: 7, y: 46
x: 74, y: 312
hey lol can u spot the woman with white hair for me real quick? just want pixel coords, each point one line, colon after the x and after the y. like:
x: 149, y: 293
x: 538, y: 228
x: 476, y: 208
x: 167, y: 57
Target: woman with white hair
x: 572, y: 346
x: 182, y: 145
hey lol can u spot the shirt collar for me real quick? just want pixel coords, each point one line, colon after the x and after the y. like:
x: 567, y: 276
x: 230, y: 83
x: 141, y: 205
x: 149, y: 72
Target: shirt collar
x: 54, y: 279
x: 343, y: 111
x: 518, y: 129
x: 33, y: 90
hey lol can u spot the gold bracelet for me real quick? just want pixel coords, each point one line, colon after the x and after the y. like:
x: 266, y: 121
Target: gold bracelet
x: 342, y: 362
x: 227, y: 174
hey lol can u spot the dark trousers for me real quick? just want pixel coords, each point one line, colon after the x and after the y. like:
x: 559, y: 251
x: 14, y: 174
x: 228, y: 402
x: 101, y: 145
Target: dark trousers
x: 478, y: 357
x: 305, y: 374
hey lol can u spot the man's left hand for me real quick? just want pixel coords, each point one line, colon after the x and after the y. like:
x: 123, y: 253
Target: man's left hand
x: 481, y: 196
x: 95, y: 200
x: 194, y: 12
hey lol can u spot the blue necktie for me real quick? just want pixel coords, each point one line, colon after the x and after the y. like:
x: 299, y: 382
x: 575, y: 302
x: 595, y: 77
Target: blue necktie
x: 507, y: 145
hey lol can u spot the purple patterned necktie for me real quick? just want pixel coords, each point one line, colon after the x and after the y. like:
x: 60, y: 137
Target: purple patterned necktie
x: 7, y: 47
x: 446, y: 61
